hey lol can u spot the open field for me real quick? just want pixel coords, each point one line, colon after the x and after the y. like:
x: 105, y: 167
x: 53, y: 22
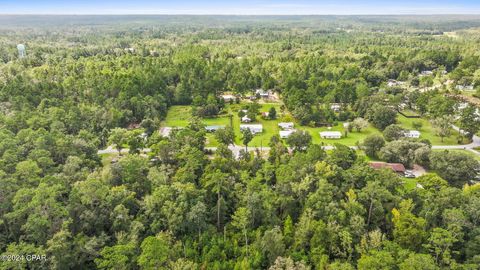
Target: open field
x: 178, y: 116
x: 428, y: 131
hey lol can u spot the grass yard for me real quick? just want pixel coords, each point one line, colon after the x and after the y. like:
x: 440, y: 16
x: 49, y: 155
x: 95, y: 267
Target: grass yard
x: 351, y: 139
x: 178, y: 116
x: 428, y: 131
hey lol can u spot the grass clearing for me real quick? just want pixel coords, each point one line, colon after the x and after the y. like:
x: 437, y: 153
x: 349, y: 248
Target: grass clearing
x: 427, y: 131
x: 351, y: 139
x: 179, y: 116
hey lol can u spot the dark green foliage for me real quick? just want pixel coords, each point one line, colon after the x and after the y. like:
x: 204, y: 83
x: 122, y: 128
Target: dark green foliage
x: 299, y: 140
x: 382, y: 116
x: 457, y: 168
x: 393, y: 132
x: 372, y: 145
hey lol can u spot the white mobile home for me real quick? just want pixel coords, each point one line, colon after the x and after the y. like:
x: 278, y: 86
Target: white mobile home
x: 330, y: 134
x: 214, y: 128
x: 253, y: 128
x: 286, y: 133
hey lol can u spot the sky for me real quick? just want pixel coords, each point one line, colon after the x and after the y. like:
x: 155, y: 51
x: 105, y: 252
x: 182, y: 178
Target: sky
x: 244, y: 7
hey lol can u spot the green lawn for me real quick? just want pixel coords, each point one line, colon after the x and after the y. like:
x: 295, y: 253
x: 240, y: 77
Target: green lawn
x: 178, y: 116
x: 427, y: 131
x: 351, y: 139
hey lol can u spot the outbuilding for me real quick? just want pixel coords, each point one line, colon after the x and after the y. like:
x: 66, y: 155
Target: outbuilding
x: 262, y: 93
x: 246, y: 119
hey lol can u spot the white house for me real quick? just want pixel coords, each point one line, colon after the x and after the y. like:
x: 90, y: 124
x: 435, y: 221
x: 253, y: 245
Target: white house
x: 412, y: 134
x: 253, y: 128
x: 331, y: 134
x: 286, y: 125
x: 286, y: 133
x: 246, y: 119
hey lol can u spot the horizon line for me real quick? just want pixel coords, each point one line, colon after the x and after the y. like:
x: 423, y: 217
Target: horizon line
x: 234, y: 14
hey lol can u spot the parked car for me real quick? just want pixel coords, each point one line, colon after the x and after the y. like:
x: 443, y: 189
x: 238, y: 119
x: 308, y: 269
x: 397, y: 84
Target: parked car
x: 409, y: 175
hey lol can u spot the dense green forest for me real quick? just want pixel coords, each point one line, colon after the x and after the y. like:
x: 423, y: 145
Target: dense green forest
x: 88, y: 82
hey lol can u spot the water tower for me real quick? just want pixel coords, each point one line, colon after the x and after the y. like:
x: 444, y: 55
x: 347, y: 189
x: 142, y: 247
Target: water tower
x: 21, y: 51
